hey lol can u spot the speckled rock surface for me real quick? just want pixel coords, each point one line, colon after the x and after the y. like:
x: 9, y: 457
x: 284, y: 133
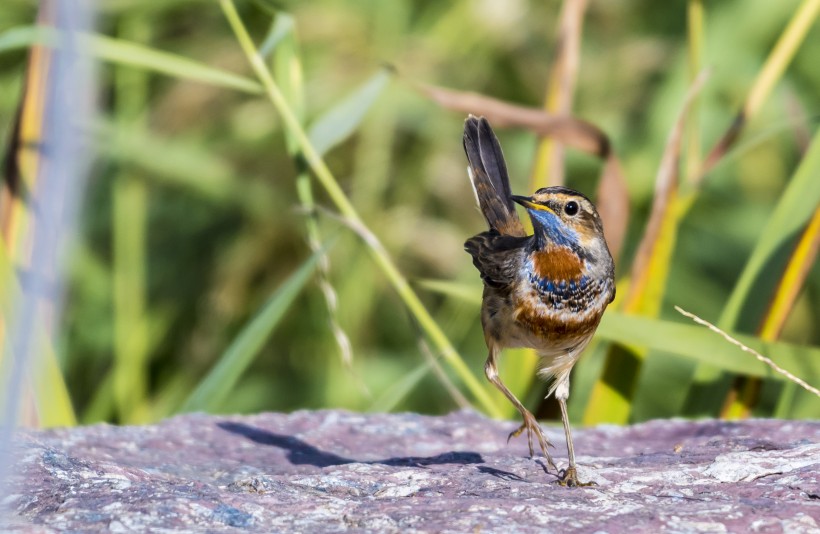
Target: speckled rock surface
x: 337, y: 471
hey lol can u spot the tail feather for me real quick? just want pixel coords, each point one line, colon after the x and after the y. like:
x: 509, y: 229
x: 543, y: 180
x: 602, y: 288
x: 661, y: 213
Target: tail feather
x: 488, y: 174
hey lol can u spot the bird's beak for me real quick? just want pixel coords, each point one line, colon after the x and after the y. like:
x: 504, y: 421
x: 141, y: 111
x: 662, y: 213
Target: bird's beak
x: 529, y: 204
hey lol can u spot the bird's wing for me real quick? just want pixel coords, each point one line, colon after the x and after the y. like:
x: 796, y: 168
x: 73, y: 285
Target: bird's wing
x: 488, y: 174
x: 497, y: 257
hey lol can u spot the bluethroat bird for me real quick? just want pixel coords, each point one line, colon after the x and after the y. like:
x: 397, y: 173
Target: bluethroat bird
x: 546, y: 291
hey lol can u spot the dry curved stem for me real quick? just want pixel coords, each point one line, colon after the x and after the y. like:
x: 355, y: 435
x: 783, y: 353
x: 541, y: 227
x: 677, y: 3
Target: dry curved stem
x: 549, y: 161
x: 779, y: 58
x: 613, y: 198
x: 571, y: 131
x: 797, y: 380
x: 666, y: 190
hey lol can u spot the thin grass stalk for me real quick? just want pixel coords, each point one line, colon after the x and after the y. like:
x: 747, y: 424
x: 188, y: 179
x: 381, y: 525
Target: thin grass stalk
x: 129, y: 203
x: 288, y: 67
x: 745, y: 348
x: 338, y: 197
x: 129, y: 212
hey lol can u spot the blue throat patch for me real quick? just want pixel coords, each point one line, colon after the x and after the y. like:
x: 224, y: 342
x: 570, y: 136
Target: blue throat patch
x: 548, y: 227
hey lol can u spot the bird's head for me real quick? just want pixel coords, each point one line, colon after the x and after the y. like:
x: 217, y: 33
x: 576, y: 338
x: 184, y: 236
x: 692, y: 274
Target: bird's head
x: 564, y: 217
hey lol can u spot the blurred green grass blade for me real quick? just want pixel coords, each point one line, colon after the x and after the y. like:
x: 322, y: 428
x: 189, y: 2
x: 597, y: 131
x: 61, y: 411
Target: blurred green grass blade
x: 695, y: 37
x: 271, y: 6
x: 779, y: 309
x: 792, y: 212
x: 54, y: 407
x: 788, y: 44
x: 131, y: 335
x: 135, y: 55
x: 653, y: 259
x: 173, y: 65
x: 26, y: 36
x: 281, y: 28
x: 388, y: 400
x: 287, y: 66
x: 341, y: 120
x: 700, y: 344
x: 101, y: 406
x: 178, y: 161
x: 219, y: 382
x: 470, y: 293
x: 781, y: 55
x: 785, y: 404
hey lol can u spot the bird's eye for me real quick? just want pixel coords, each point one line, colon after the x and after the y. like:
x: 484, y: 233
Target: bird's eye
x: 571, y: 208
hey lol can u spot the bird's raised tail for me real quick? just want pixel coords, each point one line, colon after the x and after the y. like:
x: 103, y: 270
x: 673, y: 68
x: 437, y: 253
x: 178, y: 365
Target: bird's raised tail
x: 488, y: 174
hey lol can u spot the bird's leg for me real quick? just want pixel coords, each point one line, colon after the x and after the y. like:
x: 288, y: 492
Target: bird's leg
x: 570, y: 477
x: 530, y: 424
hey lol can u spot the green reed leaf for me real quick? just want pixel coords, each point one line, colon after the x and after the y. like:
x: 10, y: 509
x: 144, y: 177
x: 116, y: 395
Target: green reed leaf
x: 135, y: 55
x: 388, y: 400
x: 341, y: 120
x: 282, y: 27
x: 699, y: 344
x: 217, y: 385
x: 792, y: 212
x: 470, y: 293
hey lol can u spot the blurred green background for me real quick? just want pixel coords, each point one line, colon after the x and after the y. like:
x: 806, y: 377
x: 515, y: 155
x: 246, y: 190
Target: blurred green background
x: 192, y: 218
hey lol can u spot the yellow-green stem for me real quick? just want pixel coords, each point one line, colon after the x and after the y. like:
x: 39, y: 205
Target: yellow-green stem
x: 334, y: 191
x: 695, y: 32
x: 790, y: 40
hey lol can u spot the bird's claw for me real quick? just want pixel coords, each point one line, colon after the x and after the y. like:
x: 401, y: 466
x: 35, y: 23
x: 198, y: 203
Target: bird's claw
x: 570, y: 479
x: 532, y: 427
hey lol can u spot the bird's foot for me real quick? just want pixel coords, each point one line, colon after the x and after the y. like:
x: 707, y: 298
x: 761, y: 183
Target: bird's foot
x: 532, y: 427
x: 570, y: 479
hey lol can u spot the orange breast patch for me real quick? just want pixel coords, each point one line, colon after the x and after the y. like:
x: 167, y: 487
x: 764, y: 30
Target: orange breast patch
x: 557, y: 263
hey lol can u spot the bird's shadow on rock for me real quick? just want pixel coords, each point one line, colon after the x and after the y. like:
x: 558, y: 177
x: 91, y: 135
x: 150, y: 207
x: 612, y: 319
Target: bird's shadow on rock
x: 300, y: 453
